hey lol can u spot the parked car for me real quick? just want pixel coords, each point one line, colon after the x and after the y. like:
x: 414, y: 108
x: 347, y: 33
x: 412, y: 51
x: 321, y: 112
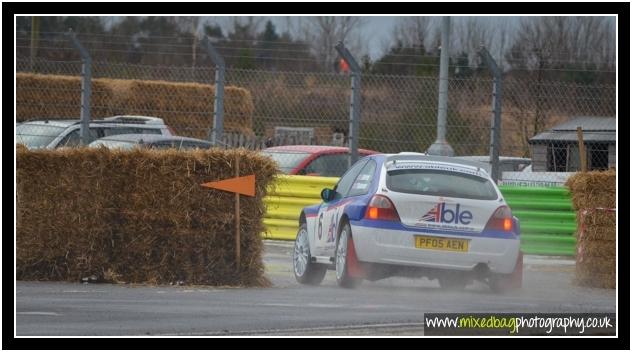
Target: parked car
x: 411, y: 215
x: 313, y: 160
x: 152, y: 141
x: 53, y: 134
x: 507, y: 163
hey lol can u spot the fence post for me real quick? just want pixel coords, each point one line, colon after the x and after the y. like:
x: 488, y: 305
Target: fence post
x: 354, y: 115
x: 582, y: 149
x: 86, y: 88
x: 496, y: 106
x: 215, y: 134
x: 441, y: 145
x: 35, y: 29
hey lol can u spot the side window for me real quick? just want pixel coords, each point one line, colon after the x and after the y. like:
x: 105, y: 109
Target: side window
x: 72, y: 139
x: 330, y: 165
x: 508, y: 166
x: 158, y: 145
x: 363, y: 181
x: 193, y: 145
x: 112, y: 131
x: 344, y: 184
x: 145, y: 130
x: 521, y: 166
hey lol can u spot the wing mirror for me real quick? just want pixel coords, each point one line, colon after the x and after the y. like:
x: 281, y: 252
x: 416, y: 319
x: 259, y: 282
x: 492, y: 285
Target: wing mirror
x: 327, y: 194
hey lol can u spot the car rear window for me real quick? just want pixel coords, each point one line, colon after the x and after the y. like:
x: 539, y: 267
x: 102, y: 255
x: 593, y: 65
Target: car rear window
x: 440, y: 183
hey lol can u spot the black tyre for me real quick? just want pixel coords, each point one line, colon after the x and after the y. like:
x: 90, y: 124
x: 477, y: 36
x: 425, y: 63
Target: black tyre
x: 343, y: 259
x: 305, y: 271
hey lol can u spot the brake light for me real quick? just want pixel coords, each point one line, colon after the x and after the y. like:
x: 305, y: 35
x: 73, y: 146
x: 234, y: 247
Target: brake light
x: 381, y: 208
x: 502, y: 220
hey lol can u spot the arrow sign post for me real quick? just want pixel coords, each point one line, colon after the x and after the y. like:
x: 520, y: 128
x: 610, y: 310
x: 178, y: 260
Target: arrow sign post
x: 239, y: 185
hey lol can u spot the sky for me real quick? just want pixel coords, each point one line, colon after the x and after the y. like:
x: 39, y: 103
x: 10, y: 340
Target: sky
x: 377, y: 30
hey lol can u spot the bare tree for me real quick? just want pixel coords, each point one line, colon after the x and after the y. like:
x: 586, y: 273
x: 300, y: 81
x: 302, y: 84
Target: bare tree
x: 413, y: 31
x: 191, y: 24
x: 469, y: 34
x: 244, y: 27
x: 323, y: 32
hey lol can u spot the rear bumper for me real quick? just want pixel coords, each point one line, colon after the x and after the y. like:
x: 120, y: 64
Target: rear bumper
x: 391, y: 246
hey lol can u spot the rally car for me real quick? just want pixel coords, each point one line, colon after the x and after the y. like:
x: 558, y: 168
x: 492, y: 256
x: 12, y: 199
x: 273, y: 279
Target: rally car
x: 415, y: 215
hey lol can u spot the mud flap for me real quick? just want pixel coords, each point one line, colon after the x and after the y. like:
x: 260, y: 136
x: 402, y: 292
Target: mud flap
x: 504, y: 282
x: 515, y: 279
x: 356, y: 269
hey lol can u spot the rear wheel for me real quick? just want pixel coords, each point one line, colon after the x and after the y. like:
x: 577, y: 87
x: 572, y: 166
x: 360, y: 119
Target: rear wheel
x: 305, y: 271
x: 343, y: 259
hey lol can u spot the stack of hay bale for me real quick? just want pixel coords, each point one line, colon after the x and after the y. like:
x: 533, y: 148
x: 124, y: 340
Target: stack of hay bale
x: 138, y: 216
x: 186, y: 107
x: 594, y: 198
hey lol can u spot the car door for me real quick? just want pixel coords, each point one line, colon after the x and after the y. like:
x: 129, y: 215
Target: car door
x: 329, y: 212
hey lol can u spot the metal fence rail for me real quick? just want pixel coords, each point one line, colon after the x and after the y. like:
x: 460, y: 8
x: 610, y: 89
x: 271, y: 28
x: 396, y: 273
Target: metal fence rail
x: 397, y: 113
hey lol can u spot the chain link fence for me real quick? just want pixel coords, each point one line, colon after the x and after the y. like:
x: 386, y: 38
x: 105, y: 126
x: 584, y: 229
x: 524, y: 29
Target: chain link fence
x: 270, y: 107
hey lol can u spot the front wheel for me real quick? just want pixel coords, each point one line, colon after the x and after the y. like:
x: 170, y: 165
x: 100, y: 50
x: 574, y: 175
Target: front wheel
x: 343, y: 259
x: 305, y: 271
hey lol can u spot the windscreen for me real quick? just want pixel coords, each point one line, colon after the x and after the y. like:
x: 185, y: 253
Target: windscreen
x: 440, y: 183
x: 287, y: 160
x: 36, y: 135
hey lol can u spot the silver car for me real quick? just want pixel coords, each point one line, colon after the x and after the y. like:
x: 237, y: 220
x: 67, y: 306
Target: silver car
x: 51, y: 134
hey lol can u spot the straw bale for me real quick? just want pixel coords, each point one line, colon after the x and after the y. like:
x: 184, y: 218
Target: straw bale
x: 55, y: 96
x: 595, y: 248
x: 594, y: 189
x: 137, y: 216
x: 598, y: 218
x: 598, y: 233
x: 187, y: 107
x: 596, y: 280
x: 596, y: 264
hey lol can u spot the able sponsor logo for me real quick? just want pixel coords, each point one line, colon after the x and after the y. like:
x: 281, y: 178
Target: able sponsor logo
x: 443, y: 213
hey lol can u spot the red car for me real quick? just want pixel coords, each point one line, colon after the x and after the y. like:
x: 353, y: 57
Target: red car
x: 313, y: 160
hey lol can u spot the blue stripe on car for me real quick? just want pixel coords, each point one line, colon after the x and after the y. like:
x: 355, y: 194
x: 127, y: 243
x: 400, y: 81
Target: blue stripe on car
x: 394, y: 225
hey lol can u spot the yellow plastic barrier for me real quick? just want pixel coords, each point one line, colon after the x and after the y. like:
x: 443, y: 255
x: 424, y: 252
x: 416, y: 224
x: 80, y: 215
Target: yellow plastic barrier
x: 286, y: 198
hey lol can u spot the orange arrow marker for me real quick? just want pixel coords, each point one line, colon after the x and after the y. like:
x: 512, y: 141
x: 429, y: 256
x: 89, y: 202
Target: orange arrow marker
x: 243, y: 185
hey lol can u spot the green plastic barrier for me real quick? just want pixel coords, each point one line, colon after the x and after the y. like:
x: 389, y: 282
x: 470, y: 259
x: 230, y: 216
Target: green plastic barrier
x: 547, y: 219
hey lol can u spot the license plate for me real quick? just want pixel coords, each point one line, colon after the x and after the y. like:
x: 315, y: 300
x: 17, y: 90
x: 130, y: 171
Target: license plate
x: 441, y: 243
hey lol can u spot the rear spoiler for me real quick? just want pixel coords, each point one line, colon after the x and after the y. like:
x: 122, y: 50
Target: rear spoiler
x: 434, y: 158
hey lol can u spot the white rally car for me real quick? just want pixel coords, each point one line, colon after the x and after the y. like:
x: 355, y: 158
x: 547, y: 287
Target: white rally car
x: 414, y: 215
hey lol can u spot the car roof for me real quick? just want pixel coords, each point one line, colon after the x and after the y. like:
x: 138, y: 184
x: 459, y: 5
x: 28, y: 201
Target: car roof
x: 55, y: 123
x: 127, y: 120
x: 148, y: 138
x: 315, y: 149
